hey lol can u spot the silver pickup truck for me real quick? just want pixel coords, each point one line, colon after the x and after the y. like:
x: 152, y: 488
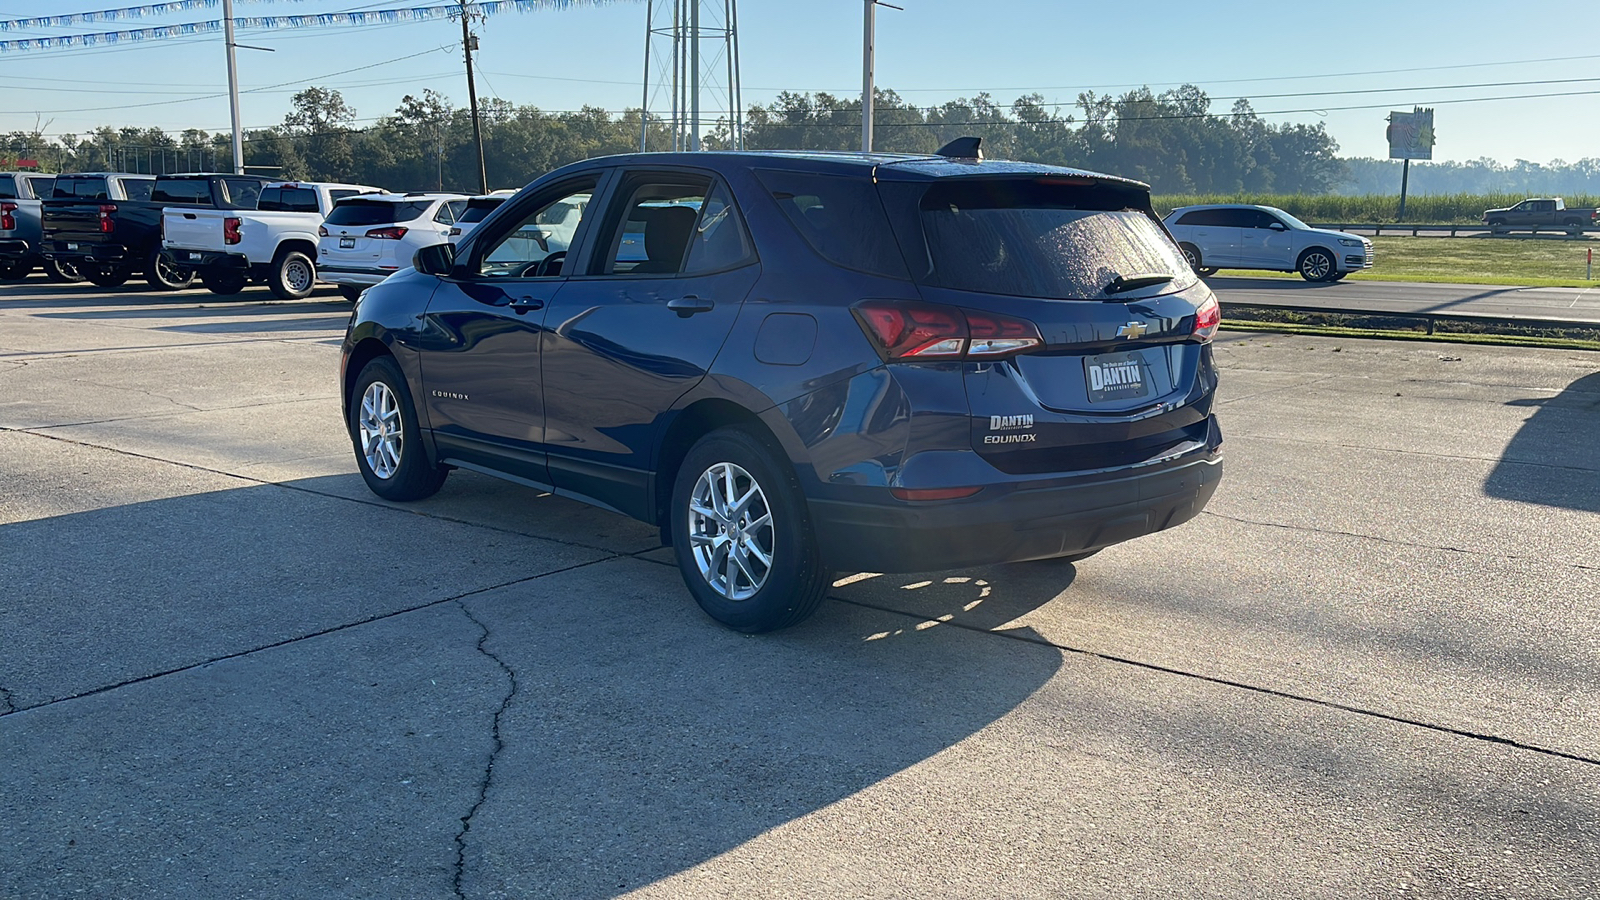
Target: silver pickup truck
x: 20, y: 230
x: 275, y: 243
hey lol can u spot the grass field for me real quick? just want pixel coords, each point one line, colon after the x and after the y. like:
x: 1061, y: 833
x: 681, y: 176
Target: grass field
x: 1443, y: 209
x: 1554, y: 261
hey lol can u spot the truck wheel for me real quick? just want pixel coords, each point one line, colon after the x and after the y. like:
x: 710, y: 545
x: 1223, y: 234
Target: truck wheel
x: 106, y: 276
x: 15, y: 269
x: 61, y: 271
x: 742, y: 534
x: 350, y: 292
x: 1316, y: 264
x: 164, y: 273
x: 223, y: 281
x: 293, y: 276
x: 1574, y: 227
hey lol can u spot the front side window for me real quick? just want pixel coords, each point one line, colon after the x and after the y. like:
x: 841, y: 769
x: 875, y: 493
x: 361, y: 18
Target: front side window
x: 538, y: 245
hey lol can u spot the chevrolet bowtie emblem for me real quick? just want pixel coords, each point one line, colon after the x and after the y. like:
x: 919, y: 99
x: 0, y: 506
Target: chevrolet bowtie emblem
x: 1132, y: 330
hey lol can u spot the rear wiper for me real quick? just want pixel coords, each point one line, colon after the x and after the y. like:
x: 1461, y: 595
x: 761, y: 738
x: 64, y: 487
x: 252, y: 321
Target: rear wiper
x: 1133, y: 282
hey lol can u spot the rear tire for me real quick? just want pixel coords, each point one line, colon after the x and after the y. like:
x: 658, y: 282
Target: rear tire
x: 350, y: 292
x: 106, y: 276
x: 15, y: 269
x: 388, y: 442
x: 720, y: 544
x: 293, y: 276
x: 62, y: 272
x: 164, y: 274
x: 224, y: 281
x: 1316, y: 264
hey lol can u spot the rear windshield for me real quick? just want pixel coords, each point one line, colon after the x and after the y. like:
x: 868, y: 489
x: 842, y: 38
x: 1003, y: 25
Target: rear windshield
x: 479, y: 209
x: 93, y: 188
x: 287, y: 199
x: 376, y: 212
x: 840, y: 216
x: 182, y: 190
x: 1040, y: 237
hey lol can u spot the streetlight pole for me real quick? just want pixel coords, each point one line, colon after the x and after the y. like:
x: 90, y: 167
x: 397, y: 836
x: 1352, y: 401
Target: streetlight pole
x: 233, y: 87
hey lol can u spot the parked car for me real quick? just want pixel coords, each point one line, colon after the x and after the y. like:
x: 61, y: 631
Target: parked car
x: 368, y: 238
x: 21, y: 194
x: 1535, y: 213
x: 477, y: 209
x: 111, y: 237
x: 1238, y: 236
x: 276, y: 243
x: 822, y: 362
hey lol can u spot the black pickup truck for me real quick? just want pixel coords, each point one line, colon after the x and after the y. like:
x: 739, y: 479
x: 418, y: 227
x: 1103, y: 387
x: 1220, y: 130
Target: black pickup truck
x: 109, y: 225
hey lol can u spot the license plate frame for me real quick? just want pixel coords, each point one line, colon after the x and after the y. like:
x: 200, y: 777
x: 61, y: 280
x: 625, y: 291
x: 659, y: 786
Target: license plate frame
x: 1113, y: 377
x: 72, y: 246
x: 347, y: 243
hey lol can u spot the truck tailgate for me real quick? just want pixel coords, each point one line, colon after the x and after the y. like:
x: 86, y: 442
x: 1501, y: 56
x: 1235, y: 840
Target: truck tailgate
x: 192, y: 229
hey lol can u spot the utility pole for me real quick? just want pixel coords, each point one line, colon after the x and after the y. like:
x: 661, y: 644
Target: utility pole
x: 468, y: 44
x: 694, y: 75
x: 869, y: 28
x: 233, y: 87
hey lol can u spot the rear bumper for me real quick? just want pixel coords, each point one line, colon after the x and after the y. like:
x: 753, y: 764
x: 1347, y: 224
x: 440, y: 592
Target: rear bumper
x: 353, y: 275
x: 205, y: 259
x: 1015, y: 522
x: 14, y: 249
x: 95, y: 253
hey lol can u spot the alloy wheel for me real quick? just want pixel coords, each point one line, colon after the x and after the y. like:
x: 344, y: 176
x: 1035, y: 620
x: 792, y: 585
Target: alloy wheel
x: 1316, y: 266
x: 382, y: 431
x: 731, y: 531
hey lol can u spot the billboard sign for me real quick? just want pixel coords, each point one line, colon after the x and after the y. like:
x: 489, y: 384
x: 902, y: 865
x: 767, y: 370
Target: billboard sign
x: 1411, y: 134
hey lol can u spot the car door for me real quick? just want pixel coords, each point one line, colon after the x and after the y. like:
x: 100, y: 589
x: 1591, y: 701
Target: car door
x: 1265, y: 241
x: 1216, y: 233
x: 629, y: 336
x: 480, y: 341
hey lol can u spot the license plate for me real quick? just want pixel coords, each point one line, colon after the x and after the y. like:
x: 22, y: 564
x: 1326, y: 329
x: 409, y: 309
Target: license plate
x: 72, y: 246
x: 347, y: 243
x: 191, y: 255
x: 1116, y: 376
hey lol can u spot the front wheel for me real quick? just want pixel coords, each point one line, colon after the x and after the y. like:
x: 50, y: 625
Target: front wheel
x: 164, y: 273
x: 1316, y: 264
x: 61, y: 271
x: 387, y: 440
x: 293, y: 276
x: 742, y: 535
x: 223, y: 281
x: 106, y: 276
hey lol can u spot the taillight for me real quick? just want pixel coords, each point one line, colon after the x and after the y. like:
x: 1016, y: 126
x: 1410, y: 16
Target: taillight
x: 230, y: 229
x: 106, y: 224
x: 321, y: 231
x: 393, y: 232
x: 908, y: 330
x: 1207, y: 320
x: 7, y: 220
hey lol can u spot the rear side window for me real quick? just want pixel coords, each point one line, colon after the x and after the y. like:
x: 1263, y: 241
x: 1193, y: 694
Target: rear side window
x: 286, y: 199
x: 80, y: 188
x: 1203, y: 217
x: 181, y: 190
x: 840, y: 216
x: 376, y: 212
x: 1041, y: 237
x: 244, y: 193
x: 40, y: 185
x: 138, y: 188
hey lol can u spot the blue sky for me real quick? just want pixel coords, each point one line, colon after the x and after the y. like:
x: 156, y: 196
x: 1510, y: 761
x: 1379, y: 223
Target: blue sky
x: 932, y: 51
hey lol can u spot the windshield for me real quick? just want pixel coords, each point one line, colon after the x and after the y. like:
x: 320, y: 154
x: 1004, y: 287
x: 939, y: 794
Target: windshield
x: 1044, y: 238
x: 1288, y: 220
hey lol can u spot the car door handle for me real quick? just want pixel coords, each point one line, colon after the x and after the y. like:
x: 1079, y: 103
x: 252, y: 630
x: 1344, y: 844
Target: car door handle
x: 526, y: 304
x: 689, y: 305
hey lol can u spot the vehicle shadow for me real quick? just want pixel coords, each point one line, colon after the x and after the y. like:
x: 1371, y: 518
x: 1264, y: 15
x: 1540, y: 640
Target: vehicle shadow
x: 1551, y: 459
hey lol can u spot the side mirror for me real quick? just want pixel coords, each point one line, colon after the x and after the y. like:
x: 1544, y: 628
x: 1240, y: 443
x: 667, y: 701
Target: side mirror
x: 1278, y: 226
x: 435, y: 259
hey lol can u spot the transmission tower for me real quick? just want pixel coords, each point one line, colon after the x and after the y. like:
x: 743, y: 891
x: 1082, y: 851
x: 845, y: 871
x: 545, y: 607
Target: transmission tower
x: 691, y: 70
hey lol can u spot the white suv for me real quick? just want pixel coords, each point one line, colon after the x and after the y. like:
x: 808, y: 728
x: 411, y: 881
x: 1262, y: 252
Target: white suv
x: 368, y: 238
x: 1236, y: 236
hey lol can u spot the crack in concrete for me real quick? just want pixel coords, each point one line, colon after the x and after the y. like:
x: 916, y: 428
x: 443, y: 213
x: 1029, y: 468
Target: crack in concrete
x: 1395, y: 541
x: 7, y: 705
x: 494, y: 753
x: 332, y: 629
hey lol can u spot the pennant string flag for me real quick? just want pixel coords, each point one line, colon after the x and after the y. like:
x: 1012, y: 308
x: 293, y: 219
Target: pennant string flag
x: 368, y: 17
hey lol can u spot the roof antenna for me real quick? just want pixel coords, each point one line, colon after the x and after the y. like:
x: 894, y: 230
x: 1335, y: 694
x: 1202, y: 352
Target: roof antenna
x: 962, y: 148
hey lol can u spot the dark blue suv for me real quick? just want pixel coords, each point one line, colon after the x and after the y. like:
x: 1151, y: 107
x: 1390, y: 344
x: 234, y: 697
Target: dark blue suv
x: 803, y: 363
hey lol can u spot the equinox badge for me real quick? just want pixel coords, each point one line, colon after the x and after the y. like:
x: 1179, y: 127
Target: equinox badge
x: 1132, y: 330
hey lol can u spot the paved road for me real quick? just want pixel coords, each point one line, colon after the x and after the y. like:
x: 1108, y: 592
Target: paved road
x: 1565, y: 305
x: 1370, y: 669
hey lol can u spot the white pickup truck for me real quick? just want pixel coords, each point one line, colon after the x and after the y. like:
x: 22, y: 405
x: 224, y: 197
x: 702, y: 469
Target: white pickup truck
x: 274, y: 243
